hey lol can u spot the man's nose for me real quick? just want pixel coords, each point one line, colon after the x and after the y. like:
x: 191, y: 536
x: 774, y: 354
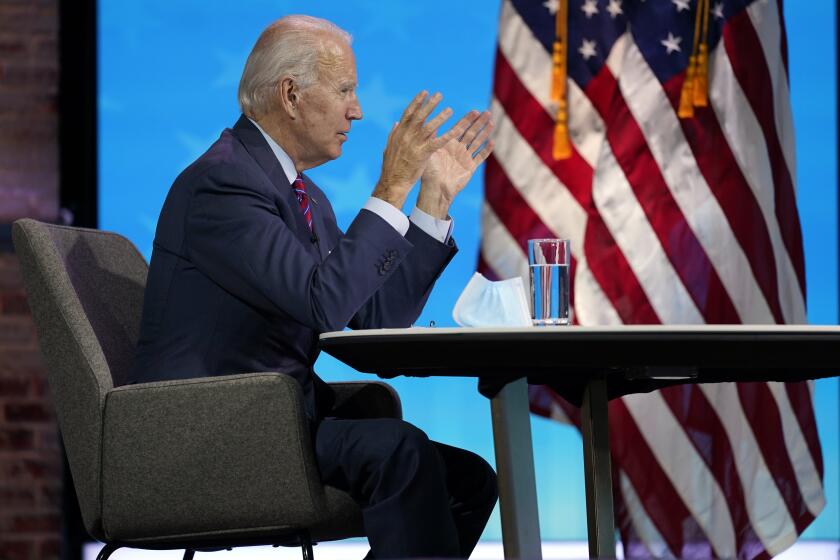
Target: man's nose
x: 354, y: 112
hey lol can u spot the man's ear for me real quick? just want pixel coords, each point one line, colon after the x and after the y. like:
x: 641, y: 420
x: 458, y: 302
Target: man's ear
x: 288, y: 95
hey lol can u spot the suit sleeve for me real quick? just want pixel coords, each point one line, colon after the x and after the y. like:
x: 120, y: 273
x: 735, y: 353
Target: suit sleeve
x: 400, y: 300
x: 237, y: 237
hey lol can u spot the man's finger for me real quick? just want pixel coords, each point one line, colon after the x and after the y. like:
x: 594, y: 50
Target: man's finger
x: 455, y: 132
x: 481, y: 135
x: 423, y: 112
x: 482, y: 154
x: 409, y: 111
x: 391, y: 133
x: 431, y: 127
x: 472, y: 129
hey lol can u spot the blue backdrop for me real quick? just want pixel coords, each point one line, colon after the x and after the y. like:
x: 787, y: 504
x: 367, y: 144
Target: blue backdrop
x: 168, y: 73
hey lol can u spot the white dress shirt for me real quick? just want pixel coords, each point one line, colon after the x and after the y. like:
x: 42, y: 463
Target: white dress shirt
x: 436, y: 228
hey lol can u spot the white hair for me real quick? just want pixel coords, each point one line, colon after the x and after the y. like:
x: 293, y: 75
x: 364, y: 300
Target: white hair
x: 292, y: 46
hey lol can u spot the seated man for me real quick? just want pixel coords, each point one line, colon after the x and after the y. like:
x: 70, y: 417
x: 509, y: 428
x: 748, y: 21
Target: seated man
x: 249, y: 267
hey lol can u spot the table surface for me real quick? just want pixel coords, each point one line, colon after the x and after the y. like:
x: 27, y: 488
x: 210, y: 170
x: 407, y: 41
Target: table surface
x: 633, y: 358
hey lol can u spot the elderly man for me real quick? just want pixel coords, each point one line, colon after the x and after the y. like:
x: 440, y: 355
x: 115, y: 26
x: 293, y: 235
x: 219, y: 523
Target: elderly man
x: 249, y: 267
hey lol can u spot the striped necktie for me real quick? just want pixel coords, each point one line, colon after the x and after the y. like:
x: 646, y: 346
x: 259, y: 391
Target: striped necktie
x: 303, y: 199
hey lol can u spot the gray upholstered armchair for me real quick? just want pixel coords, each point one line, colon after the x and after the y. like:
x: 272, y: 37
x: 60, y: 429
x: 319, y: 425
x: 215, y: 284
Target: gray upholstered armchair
x: 195, y: 464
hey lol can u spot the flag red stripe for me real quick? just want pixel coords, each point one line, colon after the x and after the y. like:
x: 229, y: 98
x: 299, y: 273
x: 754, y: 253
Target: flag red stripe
x: 684, y: 251
x: 732, y: 191
x: 801, y: 402
x: 745, y: 53
x: 763, y: 415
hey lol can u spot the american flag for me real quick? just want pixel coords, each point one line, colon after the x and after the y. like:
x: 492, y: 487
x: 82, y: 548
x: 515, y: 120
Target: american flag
x: 671, y: 219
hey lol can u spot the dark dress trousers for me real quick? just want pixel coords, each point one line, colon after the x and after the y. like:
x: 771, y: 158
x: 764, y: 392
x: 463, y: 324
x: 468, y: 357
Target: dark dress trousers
x: 238, y: 283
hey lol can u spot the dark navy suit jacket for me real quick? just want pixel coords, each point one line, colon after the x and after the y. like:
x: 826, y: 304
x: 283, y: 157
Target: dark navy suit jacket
x: 238, y: 284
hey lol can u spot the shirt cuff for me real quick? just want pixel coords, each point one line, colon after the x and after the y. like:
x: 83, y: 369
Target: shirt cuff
x: 436, y: 228
x: 389, y: 213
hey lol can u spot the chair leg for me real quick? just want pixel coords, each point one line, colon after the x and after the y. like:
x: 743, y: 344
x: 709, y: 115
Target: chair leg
x: 306, y: 545
x: 107, y: 551
x: 188, y: 554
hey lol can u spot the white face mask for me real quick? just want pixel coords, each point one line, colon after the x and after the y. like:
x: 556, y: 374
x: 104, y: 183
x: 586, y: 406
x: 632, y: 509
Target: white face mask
x: 492, y: 304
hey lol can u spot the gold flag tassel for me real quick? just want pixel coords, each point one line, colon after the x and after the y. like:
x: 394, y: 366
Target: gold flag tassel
x: 686, y: 108
x: 562, y: 146
x: 701, y: 77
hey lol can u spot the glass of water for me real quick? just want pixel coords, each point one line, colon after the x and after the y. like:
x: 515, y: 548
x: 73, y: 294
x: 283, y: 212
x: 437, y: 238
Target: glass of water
x: 549, y: 260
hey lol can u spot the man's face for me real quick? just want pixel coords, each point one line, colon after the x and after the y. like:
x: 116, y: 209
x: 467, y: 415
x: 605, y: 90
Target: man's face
x: 328, y: 107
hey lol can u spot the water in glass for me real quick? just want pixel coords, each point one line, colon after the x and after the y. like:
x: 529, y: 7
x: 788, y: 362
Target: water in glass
x: 550, y: 294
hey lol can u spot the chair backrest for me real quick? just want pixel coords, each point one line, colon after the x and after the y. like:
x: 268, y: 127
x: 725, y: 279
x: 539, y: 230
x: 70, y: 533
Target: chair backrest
x: 85, y: 288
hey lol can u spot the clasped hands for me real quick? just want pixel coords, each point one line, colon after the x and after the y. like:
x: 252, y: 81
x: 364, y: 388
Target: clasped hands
x: 445, y: 163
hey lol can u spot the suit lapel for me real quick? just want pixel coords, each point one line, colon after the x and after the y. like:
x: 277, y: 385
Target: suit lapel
x: 259, y: 149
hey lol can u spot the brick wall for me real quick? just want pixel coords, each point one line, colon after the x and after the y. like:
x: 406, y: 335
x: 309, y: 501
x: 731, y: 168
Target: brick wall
x: 30, y: 463
x: 28, y: 109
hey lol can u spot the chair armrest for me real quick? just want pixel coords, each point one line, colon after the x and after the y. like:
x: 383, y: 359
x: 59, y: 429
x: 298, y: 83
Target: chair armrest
x: 205, y: 455
x: 365, y: 399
